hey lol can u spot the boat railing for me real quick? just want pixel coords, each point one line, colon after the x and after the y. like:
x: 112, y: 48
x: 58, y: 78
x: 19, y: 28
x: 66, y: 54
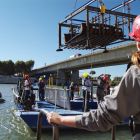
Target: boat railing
x: 58, y: 96
x: 55, y: 128
x: 113, y: 133
x: 15, y: 95
x: 56, y: 93
x: 15, y: 92
x: 39, y: 126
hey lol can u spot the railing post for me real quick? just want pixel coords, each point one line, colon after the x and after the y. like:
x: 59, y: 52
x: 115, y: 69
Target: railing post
x: 55, y: 132
x: 39, y: 126
x: 85, y: 102
x: 113, y: 133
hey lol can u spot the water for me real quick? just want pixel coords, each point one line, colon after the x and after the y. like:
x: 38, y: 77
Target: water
x: 13, y: 128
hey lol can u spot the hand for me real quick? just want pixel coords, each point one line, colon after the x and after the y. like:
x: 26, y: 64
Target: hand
x: 53, y: 118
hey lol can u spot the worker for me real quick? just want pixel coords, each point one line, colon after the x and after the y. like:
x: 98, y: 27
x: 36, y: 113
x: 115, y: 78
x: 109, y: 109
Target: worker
x: 26, y: 92
x: 125, y: 100
x: 27, y: 86
x: 86, y: 89
x: 41, y: 86
x: 101, y: 87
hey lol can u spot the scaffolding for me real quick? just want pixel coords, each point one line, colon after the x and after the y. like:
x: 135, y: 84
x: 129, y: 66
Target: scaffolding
x: 98, y: 28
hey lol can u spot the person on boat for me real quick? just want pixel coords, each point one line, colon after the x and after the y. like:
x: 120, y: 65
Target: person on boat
x: 76, y: 91
x: 103, y: 87
x: 72, y: 87
x: 67, y: 85
x: 20, y: 85
x: 100, y: 88
x: 41, y: 86
x: 27, y: 86
x: 86, y: 87
x: 124, y: 102
x: 26, y: 97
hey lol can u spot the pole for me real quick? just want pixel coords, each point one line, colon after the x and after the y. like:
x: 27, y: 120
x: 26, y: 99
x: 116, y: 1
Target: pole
x: 39, y: 126
x: 55, y: 132
x: 113, y: 133
x: 85, y: 103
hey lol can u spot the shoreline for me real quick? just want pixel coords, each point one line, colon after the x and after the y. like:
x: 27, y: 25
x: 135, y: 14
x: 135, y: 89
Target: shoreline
x: 6, y: 79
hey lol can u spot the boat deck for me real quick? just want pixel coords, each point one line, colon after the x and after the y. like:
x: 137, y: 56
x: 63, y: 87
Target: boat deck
x: 31, y: 117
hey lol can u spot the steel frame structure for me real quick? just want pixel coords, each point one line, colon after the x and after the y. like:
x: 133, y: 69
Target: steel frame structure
x: 96, y: 30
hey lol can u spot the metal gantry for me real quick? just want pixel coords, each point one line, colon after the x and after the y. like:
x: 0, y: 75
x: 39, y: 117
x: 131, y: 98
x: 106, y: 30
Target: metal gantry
x: 100, y: 27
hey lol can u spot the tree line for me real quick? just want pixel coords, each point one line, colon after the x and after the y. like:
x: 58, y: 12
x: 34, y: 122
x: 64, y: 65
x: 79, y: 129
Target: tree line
x: 116, y: 81
x: 10, y: 68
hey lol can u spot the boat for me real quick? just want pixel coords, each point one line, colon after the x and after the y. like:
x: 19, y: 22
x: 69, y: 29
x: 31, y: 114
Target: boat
x: 57, y: 100
x: 1, y: 99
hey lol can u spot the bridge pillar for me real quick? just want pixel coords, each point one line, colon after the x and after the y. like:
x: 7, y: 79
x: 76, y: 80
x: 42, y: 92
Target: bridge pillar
x: 75, y: 76
x: 64, y: 76
x: 60, y: 77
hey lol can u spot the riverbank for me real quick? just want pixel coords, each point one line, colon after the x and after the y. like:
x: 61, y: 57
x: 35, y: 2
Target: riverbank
x: 4, y: 79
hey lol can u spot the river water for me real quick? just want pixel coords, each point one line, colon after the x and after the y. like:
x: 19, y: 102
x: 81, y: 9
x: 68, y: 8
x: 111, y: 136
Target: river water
x: 13, y: 128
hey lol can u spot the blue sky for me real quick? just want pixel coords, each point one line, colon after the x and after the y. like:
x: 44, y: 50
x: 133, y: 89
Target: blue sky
x: 29, y: 30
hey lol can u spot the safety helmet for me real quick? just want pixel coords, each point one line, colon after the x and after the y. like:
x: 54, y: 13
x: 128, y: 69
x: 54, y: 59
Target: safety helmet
x: 135, y: 34
x: 40, y: 78
x: 105, y: 78
x: 85, y: 74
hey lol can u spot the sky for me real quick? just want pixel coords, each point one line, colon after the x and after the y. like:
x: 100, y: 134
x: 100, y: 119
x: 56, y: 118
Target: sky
x: 29, y: 31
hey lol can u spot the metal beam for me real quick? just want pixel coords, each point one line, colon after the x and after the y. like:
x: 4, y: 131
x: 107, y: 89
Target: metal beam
x: 69, y: 25
x: 79, y: 10
x: 84, y: 7
x: 121, y: 5
x: 111, y: 12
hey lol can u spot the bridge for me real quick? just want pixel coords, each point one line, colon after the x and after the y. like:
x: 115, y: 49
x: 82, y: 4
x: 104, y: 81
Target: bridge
x: 70, y: 67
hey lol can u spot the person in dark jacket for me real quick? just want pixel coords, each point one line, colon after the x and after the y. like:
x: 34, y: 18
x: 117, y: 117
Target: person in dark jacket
x: 41, y: 86
x: 72, y: 91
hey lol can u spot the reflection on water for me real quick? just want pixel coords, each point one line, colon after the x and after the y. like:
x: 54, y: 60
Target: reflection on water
x: 13, y: 128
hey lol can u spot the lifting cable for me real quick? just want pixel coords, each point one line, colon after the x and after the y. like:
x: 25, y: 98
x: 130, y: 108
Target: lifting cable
x: 75, y: 4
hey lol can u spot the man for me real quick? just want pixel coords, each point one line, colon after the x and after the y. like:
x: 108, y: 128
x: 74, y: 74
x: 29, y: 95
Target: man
x: 41, y: 86
x: 86, y: 93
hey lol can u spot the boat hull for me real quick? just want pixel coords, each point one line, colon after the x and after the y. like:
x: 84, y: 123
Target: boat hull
x: 31, y: 117
x: 2, y: 100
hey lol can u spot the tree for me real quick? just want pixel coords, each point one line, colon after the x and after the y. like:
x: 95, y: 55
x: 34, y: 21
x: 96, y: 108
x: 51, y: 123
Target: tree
x: 20, y: 67
x: 29, y: 65
x: 1, y: 67
x: 116, y: 81
x: 9, y: 67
